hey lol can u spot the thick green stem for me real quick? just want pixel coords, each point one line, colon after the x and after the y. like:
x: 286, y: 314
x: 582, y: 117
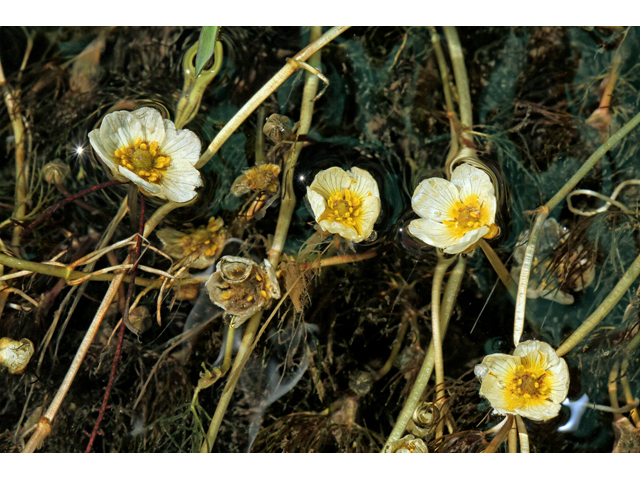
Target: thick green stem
x: 605, y: 307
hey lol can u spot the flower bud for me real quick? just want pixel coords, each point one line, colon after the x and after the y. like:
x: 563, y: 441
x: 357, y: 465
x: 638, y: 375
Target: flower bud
x: 15, y: 354
x: 55, y: 172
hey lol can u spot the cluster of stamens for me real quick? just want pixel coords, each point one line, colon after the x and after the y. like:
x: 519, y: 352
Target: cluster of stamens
x: 203, y: 240
x: 144, y: 159
x: 529, y: 384
x: 345, y: 207
x: 248, y: 287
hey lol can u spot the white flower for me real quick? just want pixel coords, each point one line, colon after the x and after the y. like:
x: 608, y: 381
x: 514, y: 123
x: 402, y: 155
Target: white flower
x: 346, y: 203
x: 532, y: 382
x: 141, y: 147
x: 455, y: 214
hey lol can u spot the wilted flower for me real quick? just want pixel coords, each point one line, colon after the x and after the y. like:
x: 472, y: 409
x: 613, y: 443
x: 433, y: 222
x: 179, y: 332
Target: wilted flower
x: 455, y: 214
x: 533, y: 382
x: 143, y: 148
x: 407, y: 444
x: 242, y: 288
x: 345, y: 202
x: 261, y: 178
x: 15, y: 354
x: 277, y: 127
x: 199, y: 244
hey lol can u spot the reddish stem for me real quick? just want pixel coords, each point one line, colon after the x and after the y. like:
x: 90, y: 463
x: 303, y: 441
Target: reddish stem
x: 125, y: 318
x: 49, y: 211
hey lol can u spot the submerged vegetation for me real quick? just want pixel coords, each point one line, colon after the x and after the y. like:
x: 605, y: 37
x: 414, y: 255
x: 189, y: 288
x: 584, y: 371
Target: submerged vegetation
x: 275, y: 239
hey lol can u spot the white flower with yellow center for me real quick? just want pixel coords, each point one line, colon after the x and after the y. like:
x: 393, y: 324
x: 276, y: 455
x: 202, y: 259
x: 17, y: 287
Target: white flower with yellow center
x: 143, y: 148
x: 455, y: 214
x: 345, y: 202
x: 532, y: 382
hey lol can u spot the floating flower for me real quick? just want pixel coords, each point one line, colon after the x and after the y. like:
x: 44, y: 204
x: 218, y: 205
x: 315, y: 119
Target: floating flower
x: 143, y: 148
x: 242, y: 288
x: 15, y: 354
x: 345, y: 202
x: 532, y: 382
x: 455, y: 214
x: 199, y: 244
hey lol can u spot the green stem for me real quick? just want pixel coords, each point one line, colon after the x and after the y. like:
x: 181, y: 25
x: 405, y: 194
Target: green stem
x: 605, y: 307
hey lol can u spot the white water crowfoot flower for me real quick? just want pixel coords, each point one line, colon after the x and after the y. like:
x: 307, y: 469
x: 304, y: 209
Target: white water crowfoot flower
x: 143, y: 148
x: 533, y: 382
x: 455, y: 214
x: 345, y: 202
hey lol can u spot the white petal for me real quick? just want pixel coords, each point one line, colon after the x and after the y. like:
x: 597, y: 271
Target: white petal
x: 341, y: 229
x: 329, y: 181
x: 181, y: 188
x: 317, y: 202
x: 120, y: 129
x: 434, y: 198
x: 467, y: 240
x: 180, y: 144
x: 432, y: 233
x: 370, y: 213
x: 365, y: 185
x: 472, y: 180
x: 107, y: 158
x: 151, y: 123
x: 150, y: 188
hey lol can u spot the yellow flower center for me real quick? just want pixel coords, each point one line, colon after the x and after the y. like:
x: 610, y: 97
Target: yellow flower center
x: 469, y: 215
x: 144, y: 159
x: 344, y: 207
x: 528, y: 384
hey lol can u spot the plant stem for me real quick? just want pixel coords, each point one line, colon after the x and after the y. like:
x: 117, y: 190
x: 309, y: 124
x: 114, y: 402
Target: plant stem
x: 44, y: 425
x: 462, y: 80
x: 523, y: 435
x: 420, y: 385
x: 500, y: 437
x: 525, y: 273
x: 21, y: 192
x: 282, y: 227
x: 436, y: 286
x: 549, y: 206
x: 262, y: 94
x: 603, y: 309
